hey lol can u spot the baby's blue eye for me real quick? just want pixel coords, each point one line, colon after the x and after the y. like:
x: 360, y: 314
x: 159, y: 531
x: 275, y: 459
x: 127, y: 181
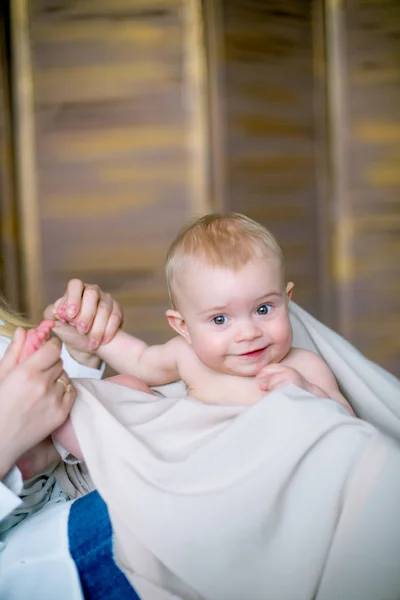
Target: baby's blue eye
x: 264, y: 309
x: 220, y: 320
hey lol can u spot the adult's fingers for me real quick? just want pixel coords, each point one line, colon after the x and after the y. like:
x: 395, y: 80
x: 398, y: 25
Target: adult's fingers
x: 62, y: 393
x: 56, y: 371
x: 67, y: 396
x: 12, y: 354
x: 68, y: 400
x: 69, y: 304
x: 106, y: 323
x: 88, y: 308
x: 47, y: 356
x: 73, y: 297
x: 50, y: 311
x: 114, y: 323
x: 99, y: 325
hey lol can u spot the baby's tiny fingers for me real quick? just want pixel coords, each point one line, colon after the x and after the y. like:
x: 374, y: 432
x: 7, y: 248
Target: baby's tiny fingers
x: 272, y: 369
x: 276, y: 381
x: 263, y: 383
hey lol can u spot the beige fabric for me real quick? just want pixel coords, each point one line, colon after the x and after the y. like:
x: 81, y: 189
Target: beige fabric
x: 74, y: 479
x: 291, y: 499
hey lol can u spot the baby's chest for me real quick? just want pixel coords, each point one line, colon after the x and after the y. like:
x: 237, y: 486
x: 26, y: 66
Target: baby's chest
x: 218, y: 388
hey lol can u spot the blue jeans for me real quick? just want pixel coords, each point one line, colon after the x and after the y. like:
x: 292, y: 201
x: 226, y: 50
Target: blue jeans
x: 90, y: 544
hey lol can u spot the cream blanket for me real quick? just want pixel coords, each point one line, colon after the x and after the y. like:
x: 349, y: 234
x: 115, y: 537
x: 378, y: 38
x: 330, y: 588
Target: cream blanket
x: 291, y: 499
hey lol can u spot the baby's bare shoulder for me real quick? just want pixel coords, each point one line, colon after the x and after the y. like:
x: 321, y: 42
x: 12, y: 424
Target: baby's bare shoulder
x: 179, y: 344
x: 310, y: 365
x: 182, y: 350
x: 191, y: 369
x: 301, y: 359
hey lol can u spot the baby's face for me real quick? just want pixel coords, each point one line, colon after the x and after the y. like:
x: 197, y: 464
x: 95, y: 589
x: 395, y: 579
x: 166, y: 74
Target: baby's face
x: 237, y: 321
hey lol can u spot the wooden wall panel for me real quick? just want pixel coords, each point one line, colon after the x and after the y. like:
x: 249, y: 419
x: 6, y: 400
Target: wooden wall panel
x: 9, y: 263
x: 270, y: 129
x: 119, y: 144
x: 310, y: 104
x: 126, y: 150
x: 373, y: 99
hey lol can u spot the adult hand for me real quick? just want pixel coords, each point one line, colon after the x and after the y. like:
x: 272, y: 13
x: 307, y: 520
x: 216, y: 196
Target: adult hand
x: 86, y: 317
x: 33, y: 402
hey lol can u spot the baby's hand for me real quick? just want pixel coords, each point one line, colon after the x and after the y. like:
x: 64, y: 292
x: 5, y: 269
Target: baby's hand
x: 275, y: 376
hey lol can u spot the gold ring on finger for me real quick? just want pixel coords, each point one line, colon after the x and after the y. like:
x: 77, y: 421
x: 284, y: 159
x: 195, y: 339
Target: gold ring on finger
x: 66, y: 385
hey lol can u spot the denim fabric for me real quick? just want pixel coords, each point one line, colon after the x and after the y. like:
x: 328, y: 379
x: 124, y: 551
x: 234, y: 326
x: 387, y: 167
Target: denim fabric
x: 90, y: 544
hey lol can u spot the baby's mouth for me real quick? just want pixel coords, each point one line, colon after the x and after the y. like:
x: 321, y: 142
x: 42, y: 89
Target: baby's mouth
x: 253, y: 353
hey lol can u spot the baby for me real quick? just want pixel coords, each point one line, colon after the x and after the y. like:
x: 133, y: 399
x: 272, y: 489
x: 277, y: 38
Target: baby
x: 226, y: 280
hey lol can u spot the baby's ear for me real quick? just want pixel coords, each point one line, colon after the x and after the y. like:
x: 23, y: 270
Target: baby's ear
x: 289, y: 290
x: 178, y: 323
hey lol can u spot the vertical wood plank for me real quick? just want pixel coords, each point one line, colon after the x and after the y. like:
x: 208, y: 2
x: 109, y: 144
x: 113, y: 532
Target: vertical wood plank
x: 323, y: 174
x: 373, y: 134
x: 9, y: 267
x: 338, y: 142
x: 24, y: 137
x: 214, y: 41
x: 196, y: 96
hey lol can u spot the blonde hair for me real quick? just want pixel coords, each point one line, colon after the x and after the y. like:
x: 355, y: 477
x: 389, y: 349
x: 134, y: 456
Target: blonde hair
x: 220, y: 240
x: 9, y: 320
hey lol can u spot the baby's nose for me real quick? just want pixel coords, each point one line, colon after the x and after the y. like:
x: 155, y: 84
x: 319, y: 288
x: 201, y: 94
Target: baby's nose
x: 249, y: 331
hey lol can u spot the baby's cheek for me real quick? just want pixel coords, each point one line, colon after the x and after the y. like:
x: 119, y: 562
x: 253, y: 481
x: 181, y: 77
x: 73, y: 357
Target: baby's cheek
x: 284, y: 338
x: 288, y: 332
x: 207, y: 351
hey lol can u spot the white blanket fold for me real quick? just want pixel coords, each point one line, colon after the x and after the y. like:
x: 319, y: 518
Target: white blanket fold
x: 291, y: 499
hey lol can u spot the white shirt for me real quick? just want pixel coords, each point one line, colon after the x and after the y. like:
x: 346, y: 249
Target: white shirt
x: 10, y: 487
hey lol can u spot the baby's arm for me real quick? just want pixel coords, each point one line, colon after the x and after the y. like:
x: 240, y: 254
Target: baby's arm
x: 155, y: 365
x: 320, y: 377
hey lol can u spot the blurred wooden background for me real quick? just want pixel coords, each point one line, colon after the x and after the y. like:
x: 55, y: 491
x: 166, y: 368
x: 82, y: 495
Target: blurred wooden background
x: 120, y: 120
